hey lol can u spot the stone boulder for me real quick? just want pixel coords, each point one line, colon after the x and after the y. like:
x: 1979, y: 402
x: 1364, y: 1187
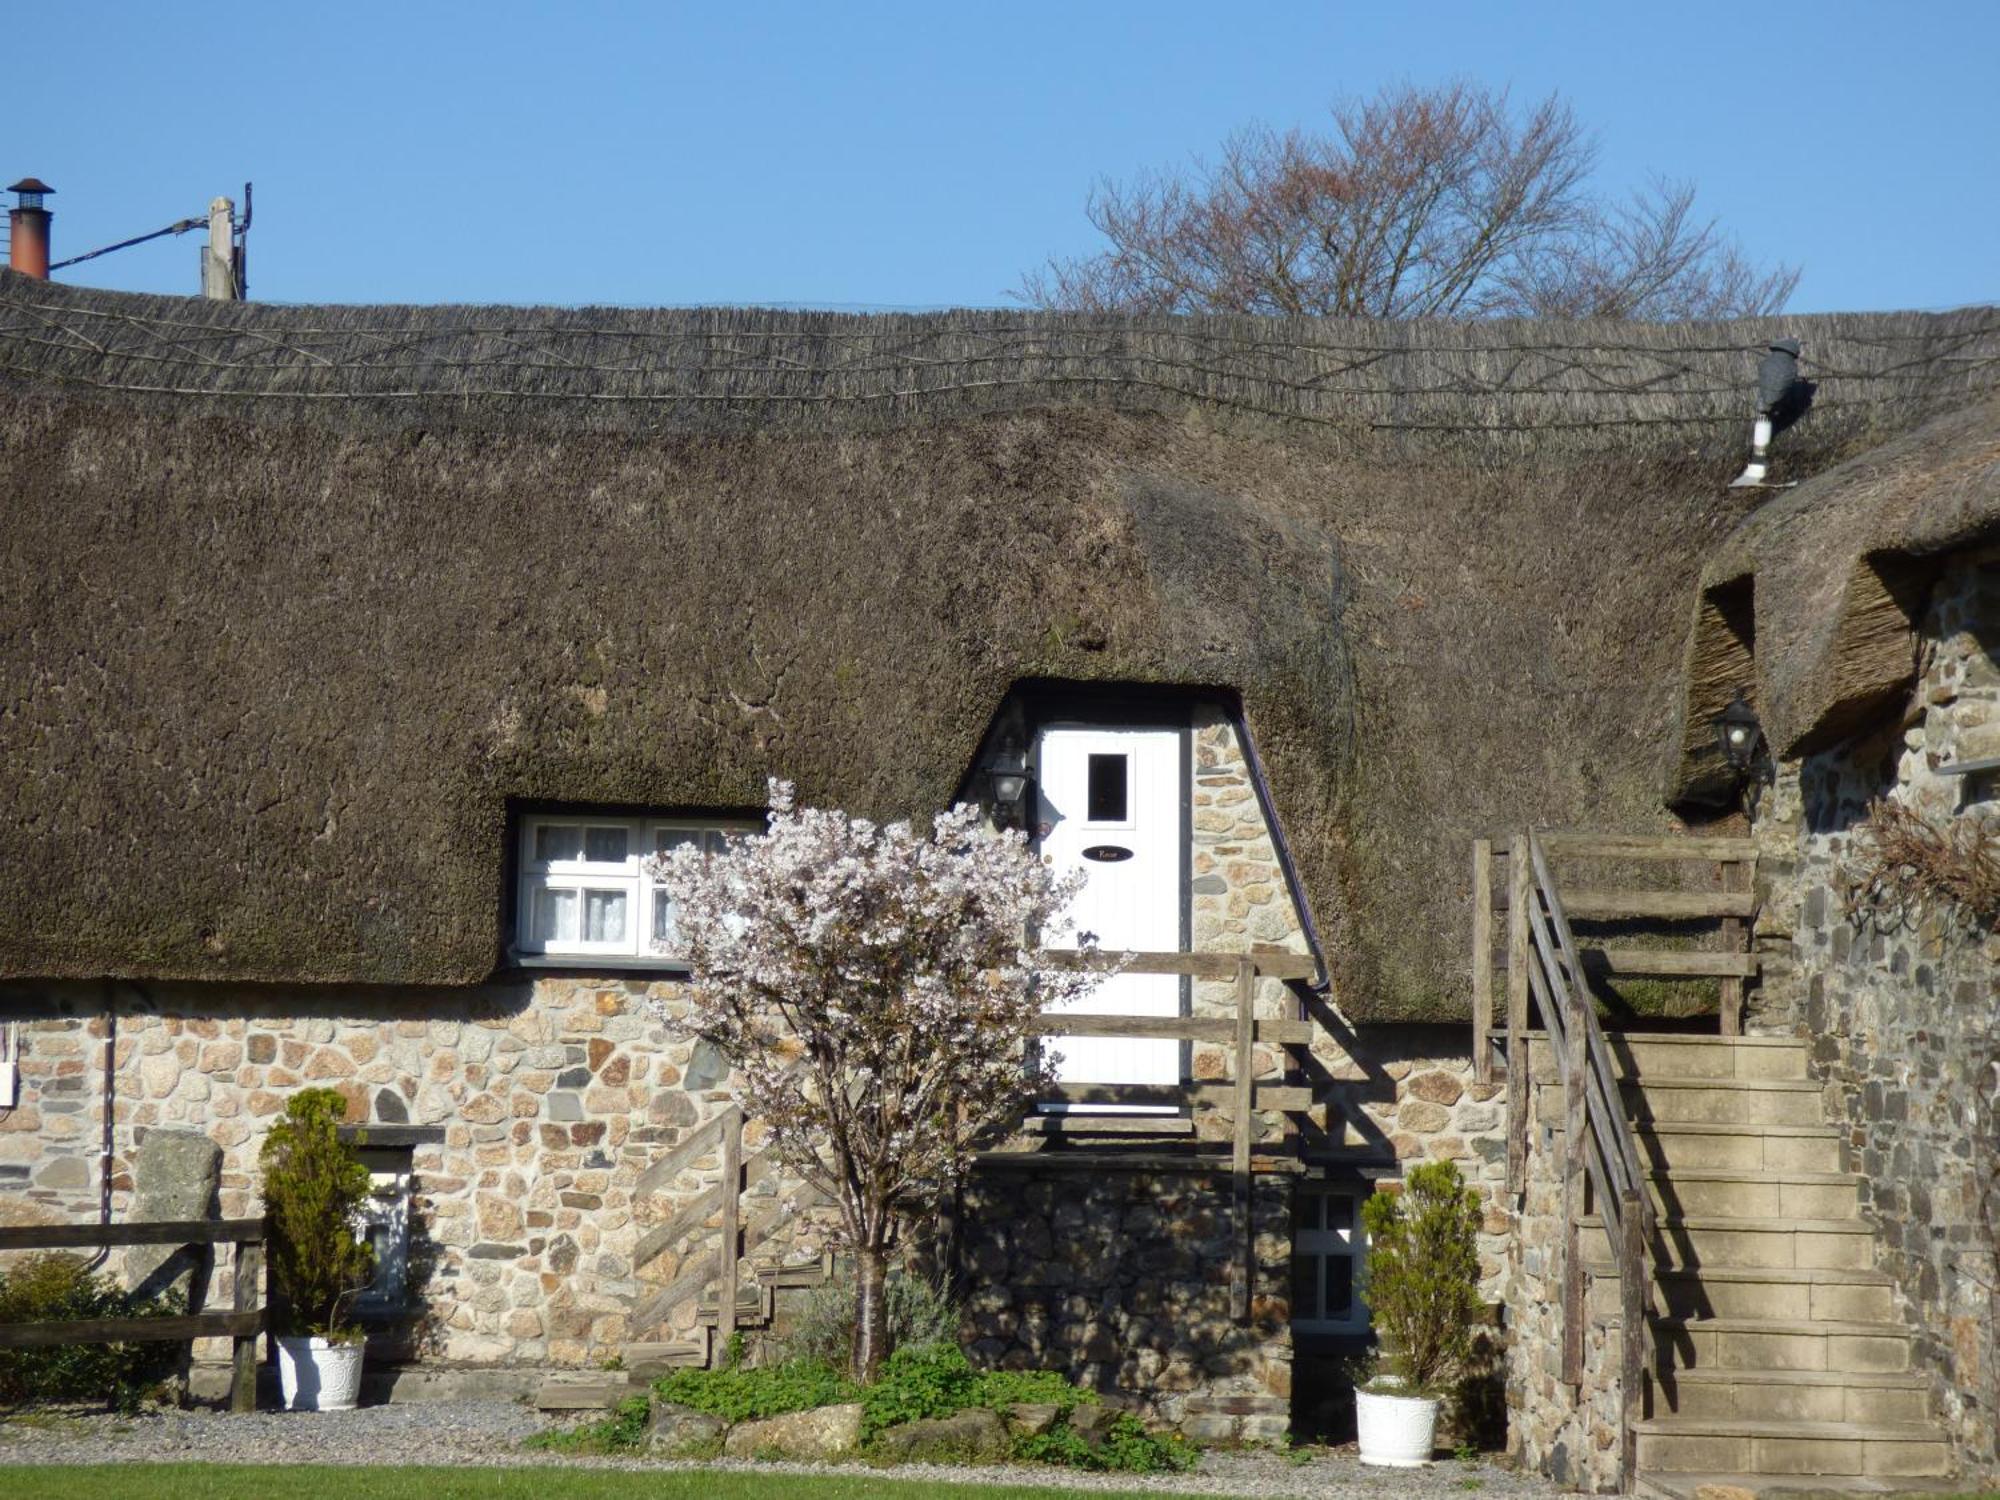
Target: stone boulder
x: 1030, y: 1419
x: 174, y: 1176
x: 1091, y: 1420
x: 674, y: 1431
x: 975, y: 1435
x: 823, y: 1433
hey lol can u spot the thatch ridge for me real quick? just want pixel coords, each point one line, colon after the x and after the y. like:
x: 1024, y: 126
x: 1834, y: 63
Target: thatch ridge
x: 1516, y: 383
x: 294, y: 607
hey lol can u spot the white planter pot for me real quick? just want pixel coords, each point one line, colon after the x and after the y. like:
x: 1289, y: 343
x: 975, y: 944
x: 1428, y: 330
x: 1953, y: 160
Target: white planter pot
x: 1397, y: 1432
x: 318, y: 1376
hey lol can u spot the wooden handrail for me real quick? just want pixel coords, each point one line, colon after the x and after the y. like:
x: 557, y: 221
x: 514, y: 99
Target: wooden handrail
x: 1598, y: 1141
x: 110, y: 1236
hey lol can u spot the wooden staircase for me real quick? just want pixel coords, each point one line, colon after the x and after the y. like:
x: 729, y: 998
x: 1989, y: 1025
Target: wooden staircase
x: 1779, y: 1358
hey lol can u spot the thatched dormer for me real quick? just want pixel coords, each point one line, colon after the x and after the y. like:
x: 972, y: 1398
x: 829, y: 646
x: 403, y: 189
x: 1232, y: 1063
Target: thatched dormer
x: 298, y: 601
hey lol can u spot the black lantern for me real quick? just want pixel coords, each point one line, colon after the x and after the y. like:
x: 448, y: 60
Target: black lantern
x: 1738, y: 733
x: 1008, y: 779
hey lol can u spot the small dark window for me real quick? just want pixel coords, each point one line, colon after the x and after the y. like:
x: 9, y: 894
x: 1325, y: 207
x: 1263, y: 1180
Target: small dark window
x: 1108, y: 789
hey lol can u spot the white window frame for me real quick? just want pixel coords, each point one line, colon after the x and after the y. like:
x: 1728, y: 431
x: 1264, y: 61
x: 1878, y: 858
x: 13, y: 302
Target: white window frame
x: 628, y: 877
x: 1321, y: 1245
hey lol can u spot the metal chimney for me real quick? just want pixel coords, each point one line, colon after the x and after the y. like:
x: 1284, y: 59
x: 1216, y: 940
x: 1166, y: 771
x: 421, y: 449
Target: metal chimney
x: 28, y: 228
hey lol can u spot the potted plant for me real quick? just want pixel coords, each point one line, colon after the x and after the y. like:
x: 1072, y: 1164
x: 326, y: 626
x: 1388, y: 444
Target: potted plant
x: 314, y: 1189
x: 1422, y: 1290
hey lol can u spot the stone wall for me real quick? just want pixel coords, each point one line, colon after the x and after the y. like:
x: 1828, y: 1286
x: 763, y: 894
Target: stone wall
x: 551, y: 1097
x: 1123, y: 1279
x: 1905, y: 1010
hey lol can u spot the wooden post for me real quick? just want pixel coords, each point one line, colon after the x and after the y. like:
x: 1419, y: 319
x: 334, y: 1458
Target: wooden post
x: 1239, y: 1160
x: 1576, y: 1165
x: 1634, y: 1337
x: 248, y: 1299
x: 1482, y: 960
x: 1735, y: 939
x: 1520, y: 891
x: 732, y: 1227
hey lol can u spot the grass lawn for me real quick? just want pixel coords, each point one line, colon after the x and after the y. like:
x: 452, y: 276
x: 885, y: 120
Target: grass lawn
x: 258, y: 1482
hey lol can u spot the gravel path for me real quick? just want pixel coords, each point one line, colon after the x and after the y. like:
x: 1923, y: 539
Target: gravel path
x: 463, y: 1433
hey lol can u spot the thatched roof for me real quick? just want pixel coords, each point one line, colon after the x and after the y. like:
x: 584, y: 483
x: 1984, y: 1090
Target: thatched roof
x: 1810, y: 606
x: 297, y: 599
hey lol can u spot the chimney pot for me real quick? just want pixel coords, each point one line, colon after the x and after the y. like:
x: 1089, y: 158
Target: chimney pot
x: 28, y: 228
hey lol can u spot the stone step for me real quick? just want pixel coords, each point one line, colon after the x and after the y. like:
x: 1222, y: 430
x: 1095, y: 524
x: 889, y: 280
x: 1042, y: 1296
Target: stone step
x: 1669, y: 1485
x: 1748, y: 1292
x: 586, y: 1390
x: 644, y: 1361
x: 1734, y: 1192
x: 1899, y: 1450
x: 1698, y: 1240
x: 1747, y: 1344
x: 1794, y: 1395
x: 1742, y: 1102
x: 1696, y: 1144
x: 1657, y: 1055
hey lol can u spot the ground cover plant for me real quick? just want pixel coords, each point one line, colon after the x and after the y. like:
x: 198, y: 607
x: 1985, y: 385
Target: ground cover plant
x: 257, y: 1482
x: 918, y: 1382
x: 53, y: 1288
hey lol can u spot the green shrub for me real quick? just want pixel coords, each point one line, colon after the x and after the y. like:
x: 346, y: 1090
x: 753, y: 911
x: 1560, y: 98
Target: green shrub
x: 918, y: 1381
x: 1422, y: 1278
x: 921, y: 1311
x: 314, y: 1190
x: 624, y: 1431
x: 1124, y: 1447
x: 52, y: 1288
x: 739, y: 1395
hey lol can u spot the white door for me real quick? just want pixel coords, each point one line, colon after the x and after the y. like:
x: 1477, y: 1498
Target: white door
x: 1110, y: 806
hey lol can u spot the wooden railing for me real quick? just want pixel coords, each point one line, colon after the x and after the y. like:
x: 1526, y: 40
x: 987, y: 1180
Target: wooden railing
x: 1240, y: 1033
x: 1730, y: 905
x: 244, y: 1323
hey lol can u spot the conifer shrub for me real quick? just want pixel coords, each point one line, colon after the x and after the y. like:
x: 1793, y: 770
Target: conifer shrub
x: 1421, y: 1283
x: 315, y: 1188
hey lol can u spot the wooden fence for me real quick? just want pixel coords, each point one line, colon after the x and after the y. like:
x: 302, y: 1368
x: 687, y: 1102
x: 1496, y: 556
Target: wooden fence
x: 244, y: 1323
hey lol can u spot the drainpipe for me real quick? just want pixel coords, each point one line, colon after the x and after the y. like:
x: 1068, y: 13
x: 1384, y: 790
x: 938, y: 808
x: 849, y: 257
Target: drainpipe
x: 109, y: 1132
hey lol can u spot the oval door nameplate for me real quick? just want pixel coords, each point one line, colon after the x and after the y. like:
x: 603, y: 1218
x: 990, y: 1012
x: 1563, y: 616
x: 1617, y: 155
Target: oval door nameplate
x: 1108, y: 854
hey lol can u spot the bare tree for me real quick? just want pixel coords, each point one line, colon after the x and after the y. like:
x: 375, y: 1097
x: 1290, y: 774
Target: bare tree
x: 1422, y: 202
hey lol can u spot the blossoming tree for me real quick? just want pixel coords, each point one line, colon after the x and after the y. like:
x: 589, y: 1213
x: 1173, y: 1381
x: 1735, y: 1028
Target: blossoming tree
x: 874, y: 988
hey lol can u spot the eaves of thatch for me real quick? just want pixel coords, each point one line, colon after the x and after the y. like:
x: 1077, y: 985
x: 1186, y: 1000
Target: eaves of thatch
x: 296, y: 602
x: 1810, y: 607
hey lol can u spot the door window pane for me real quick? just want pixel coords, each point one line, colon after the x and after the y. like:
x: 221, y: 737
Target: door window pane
x: 1108, y: 792
x: 606, y: 846
x: 1305, y: 1288
x: 604, y: 916
x: 555, y: 841
x: 555, y: 916
x: 1339, y: 1288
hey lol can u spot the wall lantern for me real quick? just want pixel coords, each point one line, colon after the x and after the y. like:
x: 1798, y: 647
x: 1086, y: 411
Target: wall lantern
x: 1009, y: 781
x: 1738, y: 733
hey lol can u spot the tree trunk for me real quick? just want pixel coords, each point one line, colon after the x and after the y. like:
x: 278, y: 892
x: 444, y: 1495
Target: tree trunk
x: 871, y: 1313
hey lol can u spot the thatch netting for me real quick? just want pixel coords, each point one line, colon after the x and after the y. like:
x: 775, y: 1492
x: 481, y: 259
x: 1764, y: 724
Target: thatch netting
x: 297, y: 599
x: 1810, y: 606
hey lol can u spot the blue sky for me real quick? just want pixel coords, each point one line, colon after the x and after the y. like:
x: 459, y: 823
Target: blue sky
x: 855, y: 153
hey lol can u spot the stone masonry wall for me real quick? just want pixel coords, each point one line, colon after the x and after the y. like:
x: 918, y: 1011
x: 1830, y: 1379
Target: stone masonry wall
x: 552, y: 1097
x: 1905, y: 1012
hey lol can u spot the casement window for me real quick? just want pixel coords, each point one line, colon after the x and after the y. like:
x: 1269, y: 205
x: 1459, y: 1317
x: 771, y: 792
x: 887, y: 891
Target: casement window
x: 585, y: 891
x: 385, y: 1225
x: 1328, y: 1247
